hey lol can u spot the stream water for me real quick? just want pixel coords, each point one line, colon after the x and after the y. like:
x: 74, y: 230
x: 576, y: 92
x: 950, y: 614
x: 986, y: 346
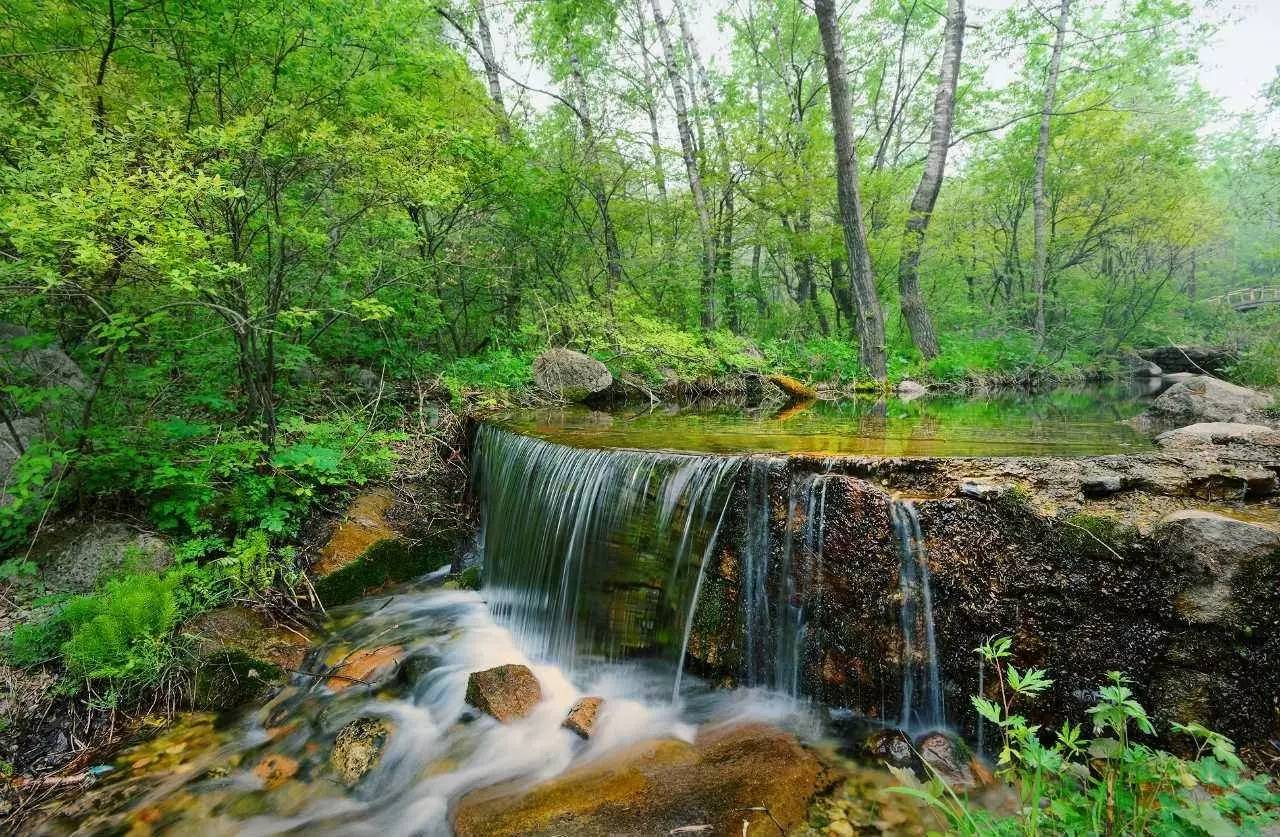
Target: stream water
x: 613, y: 566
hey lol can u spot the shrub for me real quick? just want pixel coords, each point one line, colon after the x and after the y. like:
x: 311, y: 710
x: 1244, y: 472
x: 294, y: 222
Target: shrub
x: 1111, y: 784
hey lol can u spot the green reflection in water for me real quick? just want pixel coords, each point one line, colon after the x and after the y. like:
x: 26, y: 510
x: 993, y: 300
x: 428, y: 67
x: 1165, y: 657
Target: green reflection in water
x: 1076, y: 422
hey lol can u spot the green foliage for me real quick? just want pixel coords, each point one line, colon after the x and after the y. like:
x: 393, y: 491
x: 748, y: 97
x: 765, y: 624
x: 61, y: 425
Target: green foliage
x: 1110, y: 784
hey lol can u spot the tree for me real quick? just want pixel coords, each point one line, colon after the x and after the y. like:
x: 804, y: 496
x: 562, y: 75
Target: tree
x: 870, y: 318
x: 1040, y: 267
x: 914, y: 310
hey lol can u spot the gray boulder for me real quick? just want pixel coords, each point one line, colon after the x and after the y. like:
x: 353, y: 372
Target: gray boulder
x: 910, y: 390
x: 1206, y: 399
x: 1207, y: 434
x: 80, y: 558
x: 47, y: 366
x: 1136, y: 366
x: 570, y: 375
x: 1223, y: 554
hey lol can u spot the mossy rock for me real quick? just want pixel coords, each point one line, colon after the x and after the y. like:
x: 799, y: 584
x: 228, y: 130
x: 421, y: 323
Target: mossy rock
x: 230, y: 678
x: 385, y: 562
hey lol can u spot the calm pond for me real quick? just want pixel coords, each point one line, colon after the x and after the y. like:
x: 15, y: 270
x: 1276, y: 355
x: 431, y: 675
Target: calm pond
x: 1064, y: 422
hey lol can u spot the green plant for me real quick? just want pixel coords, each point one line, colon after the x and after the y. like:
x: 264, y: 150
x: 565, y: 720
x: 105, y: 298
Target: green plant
x: 1110, y: 784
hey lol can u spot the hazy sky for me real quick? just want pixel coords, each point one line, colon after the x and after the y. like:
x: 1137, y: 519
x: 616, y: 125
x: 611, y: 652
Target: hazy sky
x: 1239, y: 61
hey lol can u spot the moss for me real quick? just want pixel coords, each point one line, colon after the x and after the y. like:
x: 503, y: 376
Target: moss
x: 384, y: 562
x: 230, y: 678
x: 471, y: 578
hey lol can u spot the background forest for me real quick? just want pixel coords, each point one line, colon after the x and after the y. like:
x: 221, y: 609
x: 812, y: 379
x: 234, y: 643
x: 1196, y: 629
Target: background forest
x: 267, y: 231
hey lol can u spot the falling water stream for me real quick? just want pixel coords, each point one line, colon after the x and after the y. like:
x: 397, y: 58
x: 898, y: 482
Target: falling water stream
x: 595, y: 565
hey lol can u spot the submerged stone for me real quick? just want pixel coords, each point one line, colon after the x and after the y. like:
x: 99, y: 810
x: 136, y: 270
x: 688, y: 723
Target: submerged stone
x: 275, y: 769
x: 370, y: 667
x: 722, y: 780
x: 506, y: 692
x: 358, y: 748
x: 582, y: 716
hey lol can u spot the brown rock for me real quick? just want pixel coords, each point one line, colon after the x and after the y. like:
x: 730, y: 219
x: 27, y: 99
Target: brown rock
x: 248, y: 631
x: 505, y: 692
x: 938, y: 752
x: 656, y: 786
x: 275, y: 769
x: 369, y: 667
x: 892, y: 746
x: 582, y: 716
x: 363, y: 525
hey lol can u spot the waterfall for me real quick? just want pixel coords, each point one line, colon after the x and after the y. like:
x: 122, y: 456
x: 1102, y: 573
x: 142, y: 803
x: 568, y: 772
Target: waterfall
x: 801, y: 568
x: 922, y: 705
x: 595, y: 552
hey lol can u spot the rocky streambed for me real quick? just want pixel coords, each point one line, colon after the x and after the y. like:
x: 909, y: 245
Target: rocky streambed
x: 703, y: 643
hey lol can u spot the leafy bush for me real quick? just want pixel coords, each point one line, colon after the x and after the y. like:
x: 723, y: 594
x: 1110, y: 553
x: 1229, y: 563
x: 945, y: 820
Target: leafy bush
x: 120, y: 637
x: 497, y: 369
x: 1110, y: 784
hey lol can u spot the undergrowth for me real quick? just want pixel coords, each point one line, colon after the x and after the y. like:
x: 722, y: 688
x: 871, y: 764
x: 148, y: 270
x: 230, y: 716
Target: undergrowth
x: 1110, y: 784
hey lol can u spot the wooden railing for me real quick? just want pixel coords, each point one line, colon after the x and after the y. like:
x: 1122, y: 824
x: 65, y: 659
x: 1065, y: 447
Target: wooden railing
x: 1246, y: 298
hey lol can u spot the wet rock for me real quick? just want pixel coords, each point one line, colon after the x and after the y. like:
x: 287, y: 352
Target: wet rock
x: 275, y: 769
x: 242, y: 629
x: 793, y: 388
x: 1198, y: 360
x: 655, y: 787
x: 1207, y: 434
x: 892, y: 746
x: 570, y: 375
x: 81, y: 558
x: 363, y: 525
x: 505, y: 692
x: 1222, y: 552
x: 1205, y: 399
x: 582, y: 716
x: 366, y: 552
x: 358, y: 748
x: 371, y: 667
x: 940, y: 753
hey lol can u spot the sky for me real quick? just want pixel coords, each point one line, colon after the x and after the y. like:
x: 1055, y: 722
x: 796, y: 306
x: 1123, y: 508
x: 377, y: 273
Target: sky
x: 1235, y: 65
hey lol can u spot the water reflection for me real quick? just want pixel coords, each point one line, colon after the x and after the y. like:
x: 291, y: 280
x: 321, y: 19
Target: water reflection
x: 1066, y: 422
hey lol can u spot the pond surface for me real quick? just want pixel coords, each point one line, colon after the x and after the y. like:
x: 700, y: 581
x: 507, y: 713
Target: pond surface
x: 1067, y: 422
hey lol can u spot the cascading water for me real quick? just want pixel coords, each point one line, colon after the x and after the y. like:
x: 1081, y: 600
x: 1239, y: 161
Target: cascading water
x: 922, y: 704
x: 801, y: 569
x: 592, y: 552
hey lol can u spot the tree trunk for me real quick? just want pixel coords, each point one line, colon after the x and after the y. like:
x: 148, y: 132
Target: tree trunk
x: 870, y: 319
x: 612, y: 252
x: 651, y: 105
x: 914, y: 310
x: 690, y: 154
x: 1040, y: 269
x: 489, y: 59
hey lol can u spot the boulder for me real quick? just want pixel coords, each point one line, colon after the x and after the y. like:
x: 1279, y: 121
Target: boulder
x: 81, y: 557
x: 910, y: 390
x: 1224, y: 552
x: 656, y: 787
x: 1136, y: 366
x: 582, y: 716
x: 940, y: 754
x: 1199, y: 360
x: 240, y: 656
x: 1205, y: 399
x: 48, y: 366
x: 1207, y: 434
x: 369, y: 667
x: 570, y: 375
x: 505, y: 692
x: 357, y: 749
